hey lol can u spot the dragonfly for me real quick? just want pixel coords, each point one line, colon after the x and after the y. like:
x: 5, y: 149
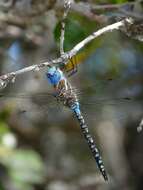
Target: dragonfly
x: 65, y: 94
x: 68, y: 95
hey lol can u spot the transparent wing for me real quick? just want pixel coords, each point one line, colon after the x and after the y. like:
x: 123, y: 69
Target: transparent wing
x: 113, y: 99
x: 45, y: 100
x: 94, y: 98
x: 27, y: 102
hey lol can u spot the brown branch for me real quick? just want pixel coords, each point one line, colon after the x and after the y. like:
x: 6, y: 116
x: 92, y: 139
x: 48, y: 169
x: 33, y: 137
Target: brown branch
x: 10, y: 77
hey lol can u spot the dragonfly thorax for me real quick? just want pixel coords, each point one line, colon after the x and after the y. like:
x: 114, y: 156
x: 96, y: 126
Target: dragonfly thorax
x: 62, y: 87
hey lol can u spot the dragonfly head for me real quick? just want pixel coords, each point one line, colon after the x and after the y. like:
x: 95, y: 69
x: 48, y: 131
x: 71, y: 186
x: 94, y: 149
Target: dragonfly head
x: 54, y: 75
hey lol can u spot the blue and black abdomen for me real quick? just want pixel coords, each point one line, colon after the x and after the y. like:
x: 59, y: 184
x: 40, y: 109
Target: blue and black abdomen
x: 90, y: 140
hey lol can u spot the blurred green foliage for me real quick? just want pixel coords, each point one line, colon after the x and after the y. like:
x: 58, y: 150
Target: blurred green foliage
x: 24, y: 166
x: 74, y: 30
x: 118, y: 1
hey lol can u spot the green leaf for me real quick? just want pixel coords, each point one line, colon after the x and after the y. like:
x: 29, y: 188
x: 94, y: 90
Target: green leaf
x: 22, y: 186
x: 74, y: 33
x: 118, y: 1
x: 26, y: 166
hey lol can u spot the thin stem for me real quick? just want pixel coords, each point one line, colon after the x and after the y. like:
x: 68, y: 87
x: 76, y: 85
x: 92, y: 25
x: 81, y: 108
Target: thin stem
x: 65, y: 56
x: 67, y: 5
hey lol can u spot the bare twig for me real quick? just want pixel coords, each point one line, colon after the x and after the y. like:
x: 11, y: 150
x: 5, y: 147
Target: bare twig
x: 90, y: 10
x: 94, y: 35
x: 94, y: 11
x: 67, y: 5
x: 83, y: 7
x: 10, y: 77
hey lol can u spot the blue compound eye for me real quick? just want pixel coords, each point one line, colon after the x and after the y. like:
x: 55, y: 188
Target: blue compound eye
x: 54, y: 76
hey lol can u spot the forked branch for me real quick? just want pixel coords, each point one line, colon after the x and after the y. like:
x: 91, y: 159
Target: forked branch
x: 10, y: 77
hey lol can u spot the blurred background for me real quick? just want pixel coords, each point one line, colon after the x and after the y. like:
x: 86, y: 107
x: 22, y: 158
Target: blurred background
x: 41, y: 145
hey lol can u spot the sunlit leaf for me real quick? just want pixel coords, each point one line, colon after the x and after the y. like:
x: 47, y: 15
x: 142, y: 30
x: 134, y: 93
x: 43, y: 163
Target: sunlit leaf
x: 26, y: 166
x: 74, y: 33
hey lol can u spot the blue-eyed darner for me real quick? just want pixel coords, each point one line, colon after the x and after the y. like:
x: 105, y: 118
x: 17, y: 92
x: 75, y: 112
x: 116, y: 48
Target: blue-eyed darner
x: 44, y: 99
x: 65, y: 94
